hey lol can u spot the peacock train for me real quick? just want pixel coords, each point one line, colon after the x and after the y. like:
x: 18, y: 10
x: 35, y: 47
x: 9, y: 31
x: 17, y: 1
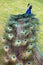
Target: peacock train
x: 20, y: 40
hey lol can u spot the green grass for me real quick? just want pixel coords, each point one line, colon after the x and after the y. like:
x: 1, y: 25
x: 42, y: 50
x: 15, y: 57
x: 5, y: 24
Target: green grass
x: 8, y: 7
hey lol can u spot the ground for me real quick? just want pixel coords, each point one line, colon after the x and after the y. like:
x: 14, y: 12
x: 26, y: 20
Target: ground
x: 8, y: 7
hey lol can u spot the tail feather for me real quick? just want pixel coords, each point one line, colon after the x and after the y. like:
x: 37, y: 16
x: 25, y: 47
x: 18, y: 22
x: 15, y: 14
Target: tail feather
x: 37, y: 58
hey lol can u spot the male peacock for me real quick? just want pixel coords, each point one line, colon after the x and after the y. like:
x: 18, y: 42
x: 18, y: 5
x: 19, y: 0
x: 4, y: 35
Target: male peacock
x: 20, y: 40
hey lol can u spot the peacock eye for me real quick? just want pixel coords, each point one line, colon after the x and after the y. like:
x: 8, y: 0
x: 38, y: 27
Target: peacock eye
x: 25, y: 40
x: 10, y: 34
x: 6, y: 47
x: 23, y: 30
x: 28, y: 62
x: 4, y: 38
x: 28, y: 50
x: 18, y: 40
x: 14, y: 56
x: 16, y: 25
x: 9, y: 27
x: 31, y: 44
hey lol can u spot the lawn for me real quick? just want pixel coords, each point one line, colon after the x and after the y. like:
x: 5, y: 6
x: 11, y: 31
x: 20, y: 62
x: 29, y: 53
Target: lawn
x: 8, y: 7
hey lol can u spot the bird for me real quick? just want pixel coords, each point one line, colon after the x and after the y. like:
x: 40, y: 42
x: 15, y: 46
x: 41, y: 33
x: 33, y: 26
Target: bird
x: 28, y: 11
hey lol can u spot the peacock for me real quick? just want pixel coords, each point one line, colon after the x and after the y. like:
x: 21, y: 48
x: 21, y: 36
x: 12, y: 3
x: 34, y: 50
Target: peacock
x: 20, y: 40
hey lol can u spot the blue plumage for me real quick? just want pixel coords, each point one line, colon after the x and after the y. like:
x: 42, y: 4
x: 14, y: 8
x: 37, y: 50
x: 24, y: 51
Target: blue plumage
x: 29, y: 10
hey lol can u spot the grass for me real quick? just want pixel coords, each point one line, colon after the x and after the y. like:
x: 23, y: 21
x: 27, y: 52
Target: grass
x: 8, y: 7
